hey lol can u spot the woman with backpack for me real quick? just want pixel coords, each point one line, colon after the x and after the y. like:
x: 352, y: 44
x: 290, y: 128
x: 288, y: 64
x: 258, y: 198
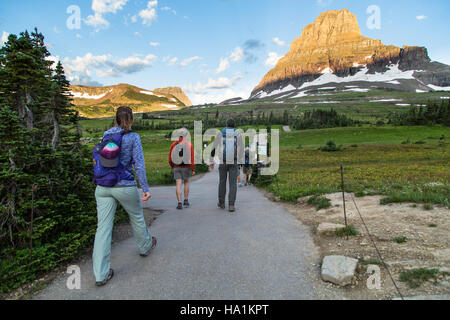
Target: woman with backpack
x: 114, y: 159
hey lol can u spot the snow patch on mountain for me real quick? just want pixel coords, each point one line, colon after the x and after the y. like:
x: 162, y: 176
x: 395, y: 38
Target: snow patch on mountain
x: 85, y: 95
x: 437, y: 88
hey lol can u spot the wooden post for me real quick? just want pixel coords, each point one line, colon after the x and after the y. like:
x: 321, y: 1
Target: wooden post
x: 343, y: 198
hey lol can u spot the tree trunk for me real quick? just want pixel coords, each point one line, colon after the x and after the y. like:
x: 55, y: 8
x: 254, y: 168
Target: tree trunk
x: 29, y: 114
x: 56, y: 130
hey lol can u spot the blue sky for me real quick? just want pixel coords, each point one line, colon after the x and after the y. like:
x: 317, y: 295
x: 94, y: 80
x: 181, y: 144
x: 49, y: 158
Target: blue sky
x: 213, y: 49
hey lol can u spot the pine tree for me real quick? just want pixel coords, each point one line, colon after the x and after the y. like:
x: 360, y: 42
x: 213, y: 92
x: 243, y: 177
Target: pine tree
x: 40, y: 150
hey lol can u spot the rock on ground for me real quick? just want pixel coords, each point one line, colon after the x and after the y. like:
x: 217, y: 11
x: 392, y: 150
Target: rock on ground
x: 329, y: 227
x: 339, y: 270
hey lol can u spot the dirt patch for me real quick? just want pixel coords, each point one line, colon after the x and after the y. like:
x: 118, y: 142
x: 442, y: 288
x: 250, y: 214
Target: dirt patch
x: 426, y: 234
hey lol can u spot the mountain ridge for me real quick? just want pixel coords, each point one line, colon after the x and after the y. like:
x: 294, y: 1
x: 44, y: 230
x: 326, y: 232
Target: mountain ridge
x: 92, y: 102
x: 333, y: 44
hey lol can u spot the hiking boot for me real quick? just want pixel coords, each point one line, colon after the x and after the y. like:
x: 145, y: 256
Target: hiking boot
x: 154, y: 243
x: 102, y: 283
x: 232, y: 208
x: 186, y: 203
x: 221, y: 205
x: 180, y: 206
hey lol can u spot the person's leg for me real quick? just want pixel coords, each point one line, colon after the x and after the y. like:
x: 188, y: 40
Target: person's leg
x: 186, y: 190
x: 233, y: 173
x: 106, y: 209
x: 130, y: 200
x: 178, y: 189
x: 222, y: 183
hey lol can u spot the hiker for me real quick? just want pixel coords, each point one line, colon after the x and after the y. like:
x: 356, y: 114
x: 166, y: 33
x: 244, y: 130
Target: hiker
x: 248, y: 167
x: 114, y: 159
x: 181, y: 160
x: 232, y: 144
x: 240, y: 183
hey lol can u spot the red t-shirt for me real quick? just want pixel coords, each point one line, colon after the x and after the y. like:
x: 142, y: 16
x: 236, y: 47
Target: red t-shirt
x: 188, y: 146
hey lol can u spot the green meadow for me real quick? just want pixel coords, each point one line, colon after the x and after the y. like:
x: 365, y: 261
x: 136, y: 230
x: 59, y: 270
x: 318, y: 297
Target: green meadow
x: 410, y: 164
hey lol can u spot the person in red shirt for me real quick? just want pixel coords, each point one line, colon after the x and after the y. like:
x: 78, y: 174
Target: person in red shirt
x: 181, y: 160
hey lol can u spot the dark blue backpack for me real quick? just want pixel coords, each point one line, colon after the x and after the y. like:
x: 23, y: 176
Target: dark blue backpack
x: 108, y: 170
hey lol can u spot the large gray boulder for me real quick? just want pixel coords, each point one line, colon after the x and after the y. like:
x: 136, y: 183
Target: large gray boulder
x: 339, y: 270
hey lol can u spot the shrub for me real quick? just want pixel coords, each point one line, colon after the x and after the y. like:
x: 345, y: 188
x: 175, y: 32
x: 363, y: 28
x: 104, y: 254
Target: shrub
x: 415, y: 277
x: 342, y: 232
x: 400, y: 240
x: 330, y: 147
x: 319, y: 202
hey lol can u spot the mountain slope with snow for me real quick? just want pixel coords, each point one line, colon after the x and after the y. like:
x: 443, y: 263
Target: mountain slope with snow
x: 96, y: 102
x: 332, y: 52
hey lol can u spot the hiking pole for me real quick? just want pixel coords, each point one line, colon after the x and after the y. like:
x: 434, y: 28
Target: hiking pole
x: 343, y: 198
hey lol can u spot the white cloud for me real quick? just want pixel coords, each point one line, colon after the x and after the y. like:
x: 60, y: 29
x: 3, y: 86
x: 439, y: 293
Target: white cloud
x: 4, y: 38
x: 154, y: 44
x: 166, y: 8
x: 134, y: 19
x: 272, y: 60
x: 106, y: 6
x: 81, y: 69
x: 223, y: 65
x: 187, y: 61
x: 101, y: 7
x: 237, y: 54
x: 421, y: 17
x: 213, y: 84
x: 149, y: 14
x: 279, y: 42
x: 170, y: 60
x: 97, y: 21
x: 106, y: 73
x: 54, y: 59
x: 79, y: 36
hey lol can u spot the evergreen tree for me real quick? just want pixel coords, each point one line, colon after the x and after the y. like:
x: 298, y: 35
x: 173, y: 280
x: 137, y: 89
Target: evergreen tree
x: 41, y: 158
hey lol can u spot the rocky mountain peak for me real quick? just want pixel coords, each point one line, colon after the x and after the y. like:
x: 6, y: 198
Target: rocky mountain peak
x: 333, y: 44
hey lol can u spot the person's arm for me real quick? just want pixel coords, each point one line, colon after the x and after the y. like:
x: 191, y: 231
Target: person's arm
x: 192, y: 159
x: 139, y: 164
x: 170, y: 156
x: 216, y: 143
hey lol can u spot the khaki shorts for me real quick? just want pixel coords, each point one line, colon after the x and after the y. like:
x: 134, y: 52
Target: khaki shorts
x: 182, y: 174
x: 248, y: 170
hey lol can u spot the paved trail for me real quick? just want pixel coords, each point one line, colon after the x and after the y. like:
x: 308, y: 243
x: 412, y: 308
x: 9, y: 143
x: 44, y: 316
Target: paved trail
x: 259, y: 252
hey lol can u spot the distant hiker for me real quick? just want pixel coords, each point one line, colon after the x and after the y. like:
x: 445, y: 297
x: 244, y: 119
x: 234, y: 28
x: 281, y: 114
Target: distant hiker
x: 248, y: 167
x: 114, y: 159
x: 181, y: 160
x: 232, y: 144
x: 240, y: 184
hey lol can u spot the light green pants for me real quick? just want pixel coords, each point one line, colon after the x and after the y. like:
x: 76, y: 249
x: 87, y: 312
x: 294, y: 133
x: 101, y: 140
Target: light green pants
x: 107, y: 198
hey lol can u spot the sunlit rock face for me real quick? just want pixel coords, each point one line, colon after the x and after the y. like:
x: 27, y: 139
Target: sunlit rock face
x: 334, y: 44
